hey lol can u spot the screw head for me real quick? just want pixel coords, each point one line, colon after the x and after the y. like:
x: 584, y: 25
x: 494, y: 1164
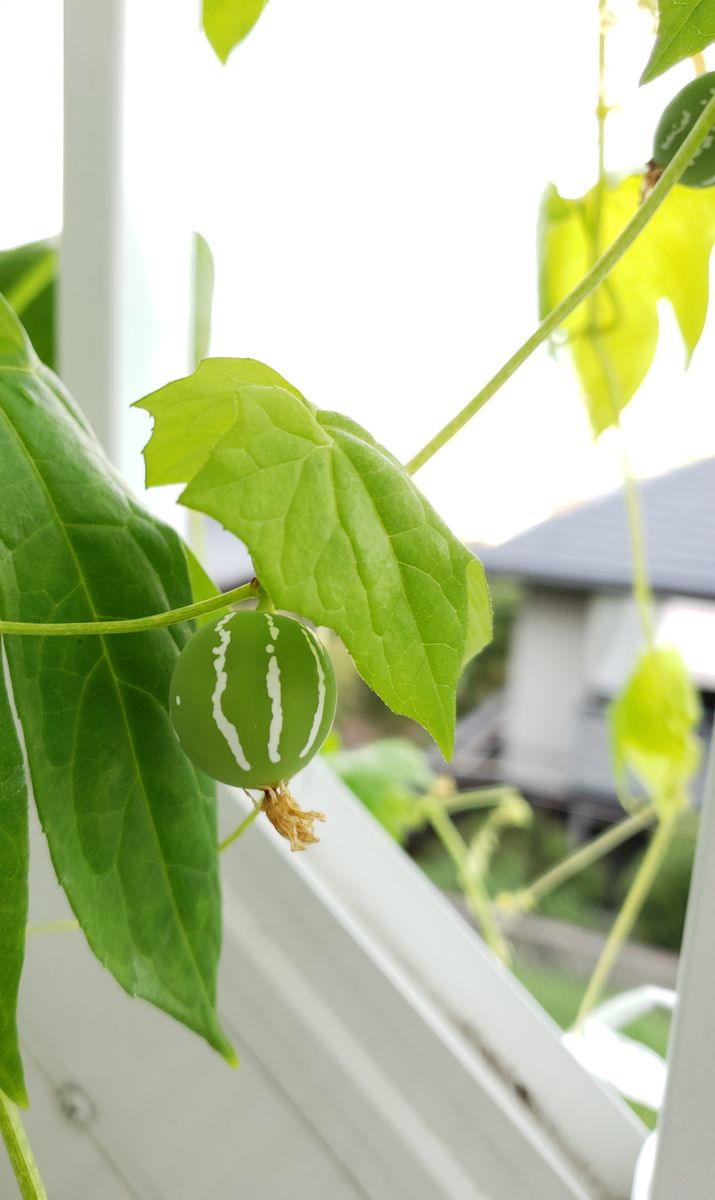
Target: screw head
x: 75, y: 1104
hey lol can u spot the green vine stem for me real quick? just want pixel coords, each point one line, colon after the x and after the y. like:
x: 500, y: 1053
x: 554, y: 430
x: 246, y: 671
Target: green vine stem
x: 63, y: 925
x: 623, y: 925
x: 581, y: 292
x: 19, y: 1152
x: 485, y: 797
x: 135, y: 624
x: 641, y: 585
x: 475, y: 893
x: 527, y: 898
x: 643, y: 881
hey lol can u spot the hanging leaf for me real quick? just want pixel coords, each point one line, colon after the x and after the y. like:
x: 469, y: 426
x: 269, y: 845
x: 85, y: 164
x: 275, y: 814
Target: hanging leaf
x: 226, y: 22
x: 685, y: 28
x: 14, y: 860
x: 130, y: 824
x: 612, y: 336
x: 337, y: 530
x: 653, y: 727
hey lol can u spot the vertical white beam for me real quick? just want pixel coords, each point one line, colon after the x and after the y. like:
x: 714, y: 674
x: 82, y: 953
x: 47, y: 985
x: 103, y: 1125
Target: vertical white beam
x: 126, y: 271
x: 685, y: 1158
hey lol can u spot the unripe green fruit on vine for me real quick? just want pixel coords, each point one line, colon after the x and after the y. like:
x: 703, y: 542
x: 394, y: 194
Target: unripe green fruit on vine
x: 676, y: 123
x: 252, y: 698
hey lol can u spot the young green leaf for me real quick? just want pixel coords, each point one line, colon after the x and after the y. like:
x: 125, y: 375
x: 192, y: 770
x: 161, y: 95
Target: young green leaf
x: 14, y: 861
x: 337, y: 530
x: 612, y: 337
x: 653, y: 724
x: 130, y: 824
x: 685, y: 27
x: 227, y: 22
x: 389, y: 776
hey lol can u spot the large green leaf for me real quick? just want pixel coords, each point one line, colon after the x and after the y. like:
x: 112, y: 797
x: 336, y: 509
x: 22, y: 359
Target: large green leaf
x: 613, y: 335
x: 28, y: 276
x: 227, y: 22
x: 653, y: 727
x: 685, y: 27
x: 13, y: 891
x: 337, y: 530
x: 129, y: 822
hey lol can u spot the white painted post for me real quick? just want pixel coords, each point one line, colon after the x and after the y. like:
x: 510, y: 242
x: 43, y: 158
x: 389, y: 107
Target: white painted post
x: 685, y: 1158
x: 125, y: 306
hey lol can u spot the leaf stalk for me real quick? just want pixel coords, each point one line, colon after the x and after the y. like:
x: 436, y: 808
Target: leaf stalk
x: 134, y: 624
x: 19, y: 1152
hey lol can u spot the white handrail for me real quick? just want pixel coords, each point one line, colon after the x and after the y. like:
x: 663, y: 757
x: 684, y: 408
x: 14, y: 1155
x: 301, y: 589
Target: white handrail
x: 685, y: 1159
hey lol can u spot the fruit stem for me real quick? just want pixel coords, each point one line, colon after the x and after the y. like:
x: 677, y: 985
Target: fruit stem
x: 581, y: 292
x: 240, y: 829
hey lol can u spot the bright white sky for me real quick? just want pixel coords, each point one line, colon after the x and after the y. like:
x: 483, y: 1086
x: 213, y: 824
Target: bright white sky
x: 369, y: 183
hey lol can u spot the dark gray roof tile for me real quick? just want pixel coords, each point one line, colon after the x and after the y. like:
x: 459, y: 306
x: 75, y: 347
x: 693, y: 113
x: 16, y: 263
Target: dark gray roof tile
x: 589, y: 547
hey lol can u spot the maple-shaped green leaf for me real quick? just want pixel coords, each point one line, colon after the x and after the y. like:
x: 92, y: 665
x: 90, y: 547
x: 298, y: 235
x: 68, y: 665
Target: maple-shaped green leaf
x: 612, y: 336
x: 130, y: 823
x: 227, y: 22
x: 14, y: 861
x: 337, y: 530
x: 685, y: 27
x: 653, y: 727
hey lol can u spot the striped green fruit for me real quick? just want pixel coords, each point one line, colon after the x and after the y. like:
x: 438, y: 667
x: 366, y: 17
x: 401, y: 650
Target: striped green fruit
x: 674, y: 126
x: 253, y: 698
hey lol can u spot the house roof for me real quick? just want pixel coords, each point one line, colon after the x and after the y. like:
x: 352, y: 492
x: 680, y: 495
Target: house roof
x: 589, y: 548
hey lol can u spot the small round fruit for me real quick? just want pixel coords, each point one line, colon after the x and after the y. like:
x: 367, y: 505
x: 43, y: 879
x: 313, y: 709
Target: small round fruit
x: 676, y: 123
x: 253, y: 698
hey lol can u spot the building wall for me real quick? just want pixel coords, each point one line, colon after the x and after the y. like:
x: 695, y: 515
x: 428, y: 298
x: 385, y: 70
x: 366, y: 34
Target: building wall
x: 545, y: 686
x: 571, y: 653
